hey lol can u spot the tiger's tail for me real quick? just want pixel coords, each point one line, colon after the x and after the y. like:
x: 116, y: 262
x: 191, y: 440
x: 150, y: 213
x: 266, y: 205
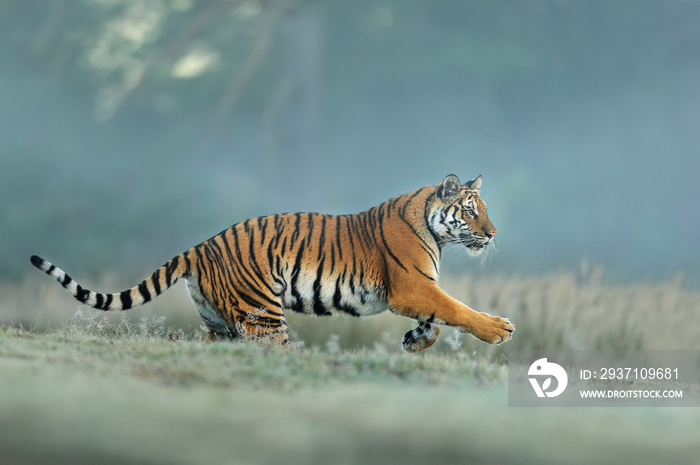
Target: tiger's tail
x: 160, y: 281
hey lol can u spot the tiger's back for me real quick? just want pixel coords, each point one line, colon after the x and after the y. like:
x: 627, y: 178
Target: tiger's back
x: 244, y: 278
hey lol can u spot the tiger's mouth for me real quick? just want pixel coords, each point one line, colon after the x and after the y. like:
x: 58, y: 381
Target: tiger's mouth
x: 475, y: 245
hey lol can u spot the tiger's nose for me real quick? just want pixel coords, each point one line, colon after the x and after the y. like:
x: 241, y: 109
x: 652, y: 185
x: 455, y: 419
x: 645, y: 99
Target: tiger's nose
x: 490, y: 234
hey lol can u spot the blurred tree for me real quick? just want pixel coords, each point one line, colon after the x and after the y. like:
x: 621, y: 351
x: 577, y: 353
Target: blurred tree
x: 112, y: 106
x: 291, y: 119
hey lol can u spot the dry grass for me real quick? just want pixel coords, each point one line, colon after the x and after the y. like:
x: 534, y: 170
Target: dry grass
x: 569, y: 310
x: 137, y: 387
x: 580, y: 311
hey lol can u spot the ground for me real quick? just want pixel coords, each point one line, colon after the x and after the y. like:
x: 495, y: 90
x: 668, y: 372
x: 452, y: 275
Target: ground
x: 149, y: 395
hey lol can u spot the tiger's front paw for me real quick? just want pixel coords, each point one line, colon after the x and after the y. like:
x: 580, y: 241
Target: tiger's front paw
x: 420, y: 338
x: 495, y: 330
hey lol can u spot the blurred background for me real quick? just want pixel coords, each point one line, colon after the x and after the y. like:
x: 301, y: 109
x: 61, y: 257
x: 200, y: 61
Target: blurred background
x: 131, y: 130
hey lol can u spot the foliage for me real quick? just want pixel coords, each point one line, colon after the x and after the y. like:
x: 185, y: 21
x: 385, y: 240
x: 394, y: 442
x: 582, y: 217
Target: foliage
x: 133, y: 130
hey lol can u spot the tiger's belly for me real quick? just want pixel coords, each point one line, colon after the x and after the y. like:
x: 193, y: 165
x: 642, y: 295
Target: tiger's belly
x: 311, y: 295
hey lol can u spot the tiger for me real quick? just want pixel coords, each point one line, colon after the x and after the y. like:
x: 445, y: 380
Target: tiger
x: 242, y: 280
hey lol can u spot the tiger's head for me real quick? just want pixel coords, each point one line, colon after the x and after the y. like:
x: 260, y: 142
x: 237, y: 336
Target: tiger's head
x: 457, y: 215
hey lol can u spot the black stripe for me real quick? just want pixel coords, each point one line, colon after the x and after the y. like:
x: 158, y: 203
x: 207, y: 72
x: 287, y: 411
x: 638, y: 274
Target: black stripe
x: 264, y: 321
x: 402, y: 209
x: 253, y: 261
x: 426, y: 217
x: 227, y: 270
x: 108, y: 301
x: 262, y: 224
x: 337, y: 237
x: 155, y: 278
x: 212, y: 269
x: 351, y: 281
x: 228, y: 250
x: 332, y: 259
x: 66, y: 280
x: 99, y: 300
x: 295, y: 234
x: 349, y: 309
x: 274, y: 268
x: 310, y: 225
x: 245, y: 275
x: 284, y: 246
x: 359, y: 230
x: 336, y: 294
x: 170, y: 269
x: 418, y: 270
x: 279, y: 277
x: 386, y: 245
x: 390, y: 205
x: 270, y: 259
x: 322, y: 237
x: 375, y: 214
x: 125, y: 298
x: 298, y: 304
x: 319, y: 307
x: 145, y: 293
x: 188, y: 265
x: 352, y: 242
x: 363, y: 230
x: 81, y: 294
x: 433, y: 258
x: 251, y: 301
x: 279, y: 229
x: 425, y: 245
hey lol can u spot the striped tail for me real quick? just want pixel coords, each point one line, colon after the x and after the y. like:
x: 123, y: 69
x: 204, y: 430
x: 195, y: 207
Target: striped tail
x: 162, y: 279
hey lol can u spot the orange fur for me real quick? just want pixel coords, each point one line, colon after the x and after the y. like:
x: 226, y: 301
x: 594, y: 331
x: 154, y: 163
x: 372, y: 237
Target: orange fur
x: 244, y: 278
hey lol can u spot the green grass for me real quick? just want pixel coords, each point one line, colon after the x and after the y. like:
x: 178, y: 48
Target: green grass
x: 146, y: 394
x: 141, y: 386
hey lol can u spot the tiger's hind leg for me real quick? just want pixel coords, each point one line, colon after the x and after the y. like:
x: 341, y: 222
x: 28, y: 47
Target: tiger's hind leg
x: 250, y: 324
x: 213, y: 335
x: 420, y: 338
x: 217, y: 327
x: 262, y: 324
x: 231, y: 318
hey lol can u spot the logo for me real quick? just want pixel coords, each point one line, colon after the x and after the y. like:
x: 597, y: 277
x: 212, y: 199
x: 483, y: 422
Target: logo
x: 542, y: 368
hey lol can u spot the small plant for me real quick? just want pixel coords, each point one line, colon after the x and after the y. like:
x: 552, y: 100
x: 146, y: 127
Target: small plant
x: 332, y: 345
x: 98, y: 324
x: 454, y: 340
x: 88, y: 323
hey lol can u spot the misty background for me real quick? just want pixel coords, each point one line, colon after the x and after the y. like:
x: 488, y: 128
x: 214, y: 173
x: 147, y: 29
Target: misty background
x: 131, y: 131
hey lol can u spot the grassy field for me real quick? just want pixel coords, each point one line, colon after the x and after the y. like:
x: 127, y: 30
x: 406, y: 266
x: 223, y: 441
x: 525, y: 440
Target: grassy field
x: 148, y: 390
x: 74, y: 397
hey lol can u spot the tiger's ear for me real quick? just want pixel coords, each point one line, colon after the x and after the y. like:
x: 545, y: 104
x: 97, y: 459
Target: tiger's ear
x: 449, y: 187
x: 474, y: 184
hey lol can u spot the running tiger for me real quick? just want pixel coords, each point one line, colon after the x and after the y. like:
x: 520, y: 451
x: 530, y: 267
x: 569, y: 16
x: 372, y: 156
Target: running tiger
x: 385, y: 258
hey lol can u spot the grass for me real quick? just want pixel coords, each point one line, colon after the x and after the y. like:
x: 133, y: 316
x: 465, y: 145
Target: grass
x: 143, y: 388
x: 567, y: 310
x: 78, y: 396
